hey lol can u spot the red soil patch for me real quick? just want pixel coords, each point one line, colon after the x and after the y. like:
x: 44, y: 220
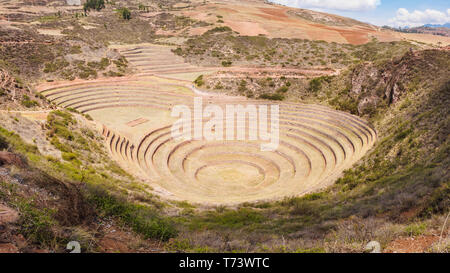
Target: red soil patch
x: 409, y: 214
x: 124, y: 242
x: 228, y: 10
x: 278, y: 13
x: 412, y: 245
x: 8, y: 248
x: 271, y: 17
x: 353, y: 36
x: 247, y: 28
x: 279, y: 23
x: 110, y: 244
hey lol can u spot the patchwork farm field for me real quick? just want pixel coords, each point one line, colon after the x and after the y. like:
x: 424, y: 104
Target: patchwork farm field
x: 134, y: 114
x: 253, y: 18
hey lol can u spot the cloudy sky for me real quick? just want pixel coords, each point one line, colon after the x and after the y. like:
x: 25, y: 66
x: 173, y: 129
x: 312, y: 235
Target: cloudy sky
x: 397, y: 13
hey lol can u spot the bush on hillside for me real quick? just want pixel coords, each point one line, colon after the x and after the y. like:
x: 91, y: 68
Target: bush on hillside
x: 199, y: 81
x: 227, y: 63
x: 271, y: 96
x: 94, y: 4
x: 219, y: 29
x: 124, y: 13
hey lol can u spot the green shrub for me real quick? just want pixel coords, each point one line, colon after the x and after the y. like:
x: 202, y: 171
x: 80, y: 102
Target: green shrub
x: 142, y: 219
x: 178, y: 51
x: 69, y: 156
x: 102, y: 65
x: 316, y: 83
x: 283, y: 89
x: 94, y: 4
x: 227, y: 63
x: 75, y: 50
x: 177, y: 245
x: 48, y: 18
x: 271, y: 96
x: 36, y: 224
x: 58, y: 145
x: 242, y: 86
x: 219, y: 29
x: 344, y: 102
x: 310, y: 250
x: 55, y: 66
x: 27, y: 102
x: 15, y: 141
x: 30, y: 103
x: 88, y: 117
x: 58, y: 123
x: 142, y: 7
x: 124, y: 13
x: 403, y: 134
x: 416, y: 229
x: 199, y: 81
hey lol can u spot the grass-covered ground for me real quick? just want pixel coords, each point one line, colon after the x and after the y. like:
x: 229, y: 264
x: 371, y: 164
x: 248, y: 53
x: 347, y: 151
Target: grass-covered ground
x: 79, y: 191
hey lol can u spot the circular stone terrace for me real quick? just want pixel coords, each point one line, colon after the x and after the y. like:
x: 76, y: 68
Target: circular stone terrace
x: 316, y: 143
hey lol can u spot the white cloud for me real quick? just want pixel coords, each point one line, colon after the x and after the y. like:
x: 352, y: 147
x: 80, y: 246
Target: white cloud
x: 419, y: 18
x: 346, y: 5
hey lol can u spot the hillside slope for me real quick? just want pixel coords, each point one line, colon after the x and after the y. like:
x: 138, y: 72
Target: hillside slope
x: 257, y: 17
x: 399, y: 189
x: 61, y: 186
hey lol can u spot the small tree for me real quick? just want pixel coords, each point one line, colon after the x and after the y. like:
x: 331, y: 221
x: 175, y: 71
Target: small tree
x: 227, y: 63
x: 93, y: 4
x: 199, y: 81
x: 125, y: 13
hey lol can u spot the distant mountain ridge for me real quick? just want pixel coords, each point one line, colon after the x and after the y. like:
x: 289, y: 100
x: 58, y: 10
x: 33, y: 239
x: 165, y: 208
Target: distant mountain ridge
x: 447, y: 25
x: 441, y: 30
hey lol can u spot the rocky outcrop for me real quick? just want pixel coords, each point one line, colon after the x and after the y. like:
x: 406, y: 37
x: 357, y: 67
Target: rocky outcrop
x: 375, y: 84
x: 8, y: 86
x: 16, y: 95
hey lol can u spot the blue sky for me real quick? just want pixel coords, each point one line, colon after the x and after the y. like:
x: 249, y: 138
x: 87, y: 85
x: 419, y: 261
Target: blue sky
x: 382, y: 12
